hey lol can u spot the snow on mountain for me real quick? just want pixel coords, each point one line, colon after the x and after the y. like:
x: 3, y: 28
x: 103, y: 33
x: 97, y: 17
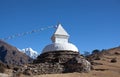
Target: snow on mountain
x: 30, y: 52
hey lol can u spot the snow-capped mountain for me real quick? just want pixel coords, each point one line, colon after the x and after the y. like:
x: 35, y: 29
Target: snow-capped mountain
x: 30, y: 52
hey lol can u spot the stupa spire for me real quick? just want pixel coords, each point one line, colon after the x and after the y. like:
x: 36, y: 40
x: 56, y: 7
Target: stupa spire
x: 60, y: 35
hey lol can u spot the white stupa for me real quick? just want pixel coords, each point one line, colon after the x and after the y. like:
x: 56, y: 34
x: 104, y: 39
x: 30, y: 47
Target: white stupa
x: 60, y: 42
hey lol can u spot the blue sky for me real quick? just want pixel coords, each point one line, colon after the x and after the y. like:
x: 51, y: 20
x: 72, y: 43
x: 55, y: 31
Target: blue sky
x: 92, y: 24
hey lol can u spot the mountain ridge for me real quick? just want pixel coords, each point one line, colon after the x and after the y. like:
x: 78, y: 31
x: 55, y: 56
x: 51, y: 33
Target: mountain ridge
x: 30, y: 52
x: 10, y: 55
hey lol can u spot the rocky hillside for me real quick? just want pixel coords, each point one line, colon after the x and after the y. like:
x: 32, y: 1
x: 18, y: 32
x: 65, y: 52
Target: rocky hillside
x: 11, y: 56
x: 114, y: 52
x: 106, y: 62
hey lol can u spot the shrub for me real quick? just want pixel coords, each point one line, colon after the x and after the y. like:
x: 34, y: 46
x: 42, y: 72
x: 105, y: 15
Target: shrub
x: 116, y: 53
x: 95, y: 51
x: 113, y: 60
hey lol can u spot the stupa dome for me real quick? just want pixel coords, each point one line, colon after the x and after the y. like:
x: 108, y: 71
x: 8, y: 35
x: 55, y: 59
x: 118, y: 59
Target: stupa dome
x: 60, y: 42
x: 60, y: 47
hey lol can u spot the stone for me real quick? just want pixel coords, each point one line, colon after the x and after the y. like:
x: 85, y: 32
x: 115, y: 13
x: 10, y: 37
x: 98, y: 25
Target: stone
x: 63, y: 62
x: 58, y: 62
x: 27, y: 72
x: 96, y: 63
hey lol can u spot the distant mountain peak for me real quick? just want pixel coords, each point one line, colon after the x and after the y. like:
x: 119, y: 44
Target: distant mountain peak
x: 30, y: 52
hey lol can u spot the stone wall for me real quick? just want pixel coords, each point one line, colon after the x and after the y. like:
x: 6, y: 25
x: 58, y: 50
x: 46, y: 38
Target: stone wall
x: 56, y: 57
x: 57, y: 62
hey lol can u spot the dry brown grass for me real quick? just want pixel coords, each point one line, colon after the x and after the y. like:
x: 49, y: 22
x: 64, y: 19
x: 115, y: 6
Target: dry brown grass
x: 91, y: 74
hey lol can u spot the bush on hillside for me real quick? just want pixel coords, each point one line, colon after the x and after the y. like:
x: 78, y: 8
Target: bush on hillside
x: 114, y: 60
x: 117, y: 53
x: 95, y: 51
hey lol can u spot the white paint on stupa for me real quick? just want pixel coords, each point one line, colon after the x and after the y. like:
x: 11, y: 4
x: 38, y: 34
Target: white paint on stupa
x: 60, y: 35
x: 60, y: 41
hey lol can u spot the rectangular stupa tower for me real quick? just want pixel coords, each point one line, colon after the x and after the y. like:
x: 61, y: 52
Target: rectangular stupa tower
x: 60, y: 35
